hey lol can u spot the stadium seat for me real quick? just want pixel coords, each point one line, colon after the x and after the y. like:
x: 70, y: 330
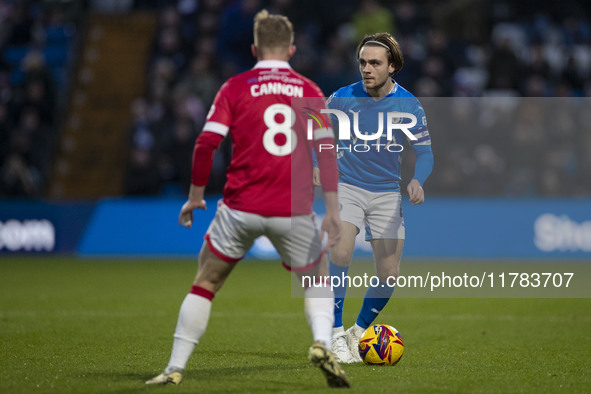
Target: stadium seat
x: 15, y: 54
x: 16, y: 76
x: 55, y: 55
x: 59, y: 35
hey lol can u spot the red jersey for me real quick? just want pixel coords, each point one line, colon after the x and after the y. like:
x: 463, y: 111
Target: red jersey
x: 270, y: 173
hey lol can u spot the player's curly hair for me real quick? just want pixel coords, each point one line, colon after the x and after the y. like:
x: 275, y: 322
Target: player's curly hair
x: 272, y: 30
x: 389, y: 43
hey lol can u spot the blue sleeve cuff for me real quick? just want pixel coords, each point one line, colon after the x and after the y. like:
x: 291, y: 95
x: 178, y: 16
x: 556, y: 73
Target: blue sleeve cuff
x: 424, y: 162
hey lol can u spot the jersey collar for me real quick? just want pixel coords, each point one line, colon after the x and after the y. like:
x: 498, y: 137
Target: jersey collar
x: 272, y: 64
x: 394, y: 88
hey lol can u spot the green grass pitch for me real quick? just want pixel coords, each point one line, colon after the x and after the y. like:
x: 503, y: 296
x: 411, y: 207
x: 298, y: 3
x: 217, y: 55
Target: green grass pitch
x: 105, y: 326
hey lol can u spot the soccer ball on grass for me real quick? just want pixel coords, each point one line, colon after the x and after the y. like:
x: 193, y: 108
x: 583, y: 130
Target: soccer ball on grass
x: 381, y: 344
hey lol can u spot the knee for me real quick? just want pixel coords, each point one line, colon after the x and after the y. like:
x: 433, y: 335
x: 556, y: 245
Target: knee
x: 387, y: 271
x: 209, y: 282
x: 387, y: 275
x: 340, y: 256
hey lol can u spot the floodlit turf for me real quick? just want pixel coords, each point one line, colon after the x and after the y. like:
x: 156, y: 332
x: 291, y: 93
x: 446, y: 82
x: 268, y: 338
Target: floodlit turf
x: 105, y: 326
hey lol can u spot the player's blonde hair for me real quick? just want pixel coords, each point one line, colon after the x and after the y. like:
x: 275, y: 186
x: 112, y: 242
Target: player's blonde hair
x: 389, y: 43
x: 272, y: 31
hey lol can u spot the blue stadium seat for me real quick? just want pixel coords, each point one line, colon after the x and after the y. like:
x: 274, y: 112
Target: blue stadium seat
x: 59, y: 75
x: 59, y: 34
x: 16, y: 76
x: 15, y: 54
x: 55, y: 55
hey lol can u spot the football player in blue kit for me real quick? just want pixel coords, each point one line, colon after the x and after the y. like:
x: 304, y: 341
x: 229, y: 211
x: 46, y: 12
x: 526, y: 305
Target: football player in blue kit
x: 382, y: 116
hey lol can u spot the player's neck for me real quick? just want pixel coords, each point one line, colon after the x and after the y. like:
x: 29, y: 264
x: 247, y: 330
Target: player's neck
x: 271, y: 57
x: 381, y: 91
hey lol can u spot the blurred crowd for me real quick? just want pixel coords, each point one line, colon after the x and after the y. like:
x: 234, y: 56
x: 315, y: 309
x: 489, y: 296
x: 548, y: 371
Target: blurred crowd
x: 509, y: 146
x: 34, y: 46
x: 482, y: 50
x: 451, y: 48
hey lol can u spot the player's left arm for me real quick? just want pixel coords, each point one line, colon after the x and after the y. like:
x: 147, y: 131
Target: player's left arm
x: 423, y: 168
x: 424, y: 158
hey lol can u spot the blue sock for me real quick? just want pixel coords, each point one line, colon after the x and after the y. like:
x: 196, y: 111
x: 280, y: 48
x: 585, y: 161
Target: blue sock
x: 374, y: 301
x: 339, y: 291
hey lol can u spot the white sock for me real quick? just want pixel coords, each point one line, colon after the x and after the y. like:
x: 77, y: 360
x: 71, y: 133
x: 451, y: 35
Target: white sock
x: 190, y: 327
x: 319, y: 305
x: 338, y: 330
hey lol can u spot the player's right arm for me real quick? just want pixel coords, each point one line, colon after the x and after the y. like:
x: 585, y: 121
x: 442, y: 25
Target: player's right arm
x: 205, y: 147
x: 214, y: 131
x: 195, y: 201
x: 316, y: 176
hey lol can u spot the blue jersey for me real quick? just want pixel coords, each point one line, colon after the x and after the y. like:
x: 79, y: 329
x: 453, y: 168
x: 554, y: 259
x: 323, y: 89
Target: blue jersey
x: 374, y: 164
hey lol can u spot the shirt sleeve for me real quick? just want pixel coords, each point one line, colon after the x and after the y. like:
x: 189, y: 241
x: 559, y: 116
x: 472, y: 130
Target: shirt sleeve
x: 422, y: 145
x: 419, y: 131
x: 205, y: 145
x: 219, y: 117
x: 330, y: 103
x: 424, y: 162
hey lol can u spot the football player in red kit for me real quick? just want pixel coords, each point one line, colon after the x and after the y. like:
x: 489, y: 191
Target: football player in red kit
x: 269, y: 191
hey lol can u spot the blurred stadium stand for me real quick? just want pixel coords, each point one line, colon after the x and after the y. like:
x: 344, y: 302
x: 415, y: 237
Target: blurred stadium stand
x: 108, y: 76
x: 104, y: 98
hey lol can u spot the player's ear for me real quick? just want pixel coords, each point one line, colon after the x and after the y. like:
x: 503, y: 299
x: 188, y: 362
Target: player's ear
x: 291, y: 51
x: 254, y: 51
x: 391, y: 68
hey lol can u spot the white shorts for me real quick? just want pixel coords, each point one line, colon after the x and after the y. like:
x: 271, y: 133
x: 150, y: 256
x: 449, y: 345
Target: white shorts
x: 379, y: 213
x: 232, y: 233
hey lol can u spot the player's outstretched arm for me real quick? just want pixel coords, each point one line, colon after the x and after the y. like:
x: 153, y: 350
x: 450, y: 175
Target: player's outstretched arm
x: 195, y: 201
